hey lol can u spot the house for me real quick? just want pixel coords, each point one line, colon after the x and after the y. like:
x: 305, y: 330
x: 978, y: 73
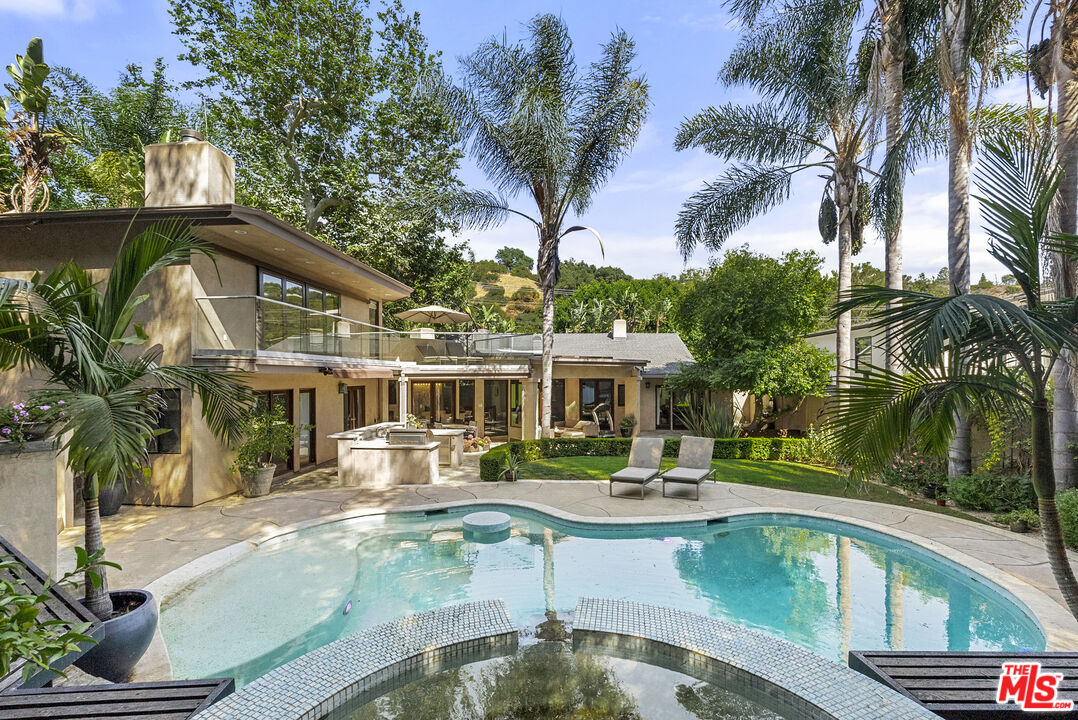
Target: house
x: 306, y: 321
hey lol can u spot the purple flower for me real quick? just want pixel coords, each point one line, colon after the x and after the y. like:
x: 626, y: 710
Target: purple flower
x: 6, y: 431
x: 18, y: 406
x: 59, y: 402
x: 44, y: 407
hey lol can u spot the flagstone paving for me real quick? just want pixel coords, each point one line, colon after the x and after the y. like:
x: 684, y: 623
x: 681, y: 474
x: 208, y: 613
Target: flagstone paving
x: 150, y: 542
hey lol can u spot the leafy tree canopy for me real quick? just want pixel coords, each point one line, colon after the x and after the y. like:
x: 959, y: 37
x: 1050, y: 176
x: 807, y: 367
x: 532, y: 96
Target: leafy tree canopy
x: 107, y: 168
x: 575, y: 273
x: 646, y: 305
x: 514, y: 259
x: 753, y: 302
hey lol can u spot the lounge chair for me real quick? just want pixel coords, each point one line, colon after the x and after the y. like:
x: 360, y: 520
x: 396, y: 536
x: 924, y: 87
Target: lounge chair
x: 583, y: 429
x: 693, y: 463
x: 645, y: 457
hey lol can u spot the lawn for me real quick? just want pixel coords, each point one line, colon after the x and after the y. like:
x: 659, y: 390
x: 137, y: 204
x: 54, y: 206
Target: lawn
x: 781, y: 475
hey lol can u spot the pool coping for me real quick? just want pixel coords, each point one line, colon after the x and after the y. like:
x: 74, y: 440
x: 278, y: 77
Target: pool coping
x: 1058, y: 626
x: 366, y: 663
x: 803, y: 682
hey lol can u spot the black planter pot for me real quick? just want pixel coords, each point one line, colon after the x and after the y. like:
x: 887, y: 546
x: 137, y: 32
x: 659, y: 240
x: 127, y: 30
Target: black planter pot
x: 122, y: 641
x: 932, y: 491
x: 110, y: 499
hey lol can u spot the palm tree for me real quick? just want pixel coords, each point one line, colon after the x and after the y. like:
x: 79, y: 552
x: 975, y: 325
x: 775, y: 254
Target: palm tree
x: 1053, y: 67
x: 1008, y: 348
x: 537, y: 127
x: 970, y: 30
x: 82, y: 338
x: 817, y: 115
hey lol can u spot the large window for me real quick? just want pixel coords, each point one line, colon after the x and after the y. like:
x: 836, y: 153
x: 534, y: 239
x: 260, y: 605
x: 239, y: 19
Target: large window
x: 595, y: 392
x: 557, y: 401
x: 466, y: 400
x: 672, y: 406
x: 862, y: 351
x: 169, y: 420
x: 496, y: 408
x: 516, y: 403
x: 294, y: 330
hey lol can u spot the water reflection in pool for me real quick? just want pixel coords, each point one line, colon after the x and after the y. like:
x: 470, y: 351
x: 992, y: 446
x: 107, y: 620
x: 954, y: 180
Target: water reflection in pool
x: 825, y: 586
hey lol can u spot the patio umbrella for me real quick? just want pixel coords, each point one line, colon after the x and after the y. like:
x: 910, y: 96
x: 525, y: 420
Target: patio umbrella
x: 434, y: 314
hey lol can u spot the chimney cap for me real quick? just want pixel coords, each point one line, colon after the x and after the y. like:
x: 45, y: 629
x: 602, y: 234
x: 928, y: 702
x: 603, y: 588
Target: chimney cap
x: 189, y: 135
x: 620, y: 329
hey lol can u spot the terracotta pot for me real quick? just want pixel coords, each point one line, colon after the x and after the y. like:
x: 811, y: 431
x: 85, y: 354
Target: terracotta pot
x: 941, y: 502
x: 257, y: 483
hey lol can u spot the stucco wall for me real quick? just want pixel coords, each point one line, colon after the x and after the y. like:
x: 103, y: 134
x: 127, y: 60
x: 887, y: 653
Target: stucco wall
x: 29, y: 499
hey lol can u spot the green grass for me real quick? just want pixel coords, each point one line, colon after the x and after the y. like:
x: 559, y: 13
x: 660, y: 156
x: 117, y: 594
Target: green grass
x: 775, y: 474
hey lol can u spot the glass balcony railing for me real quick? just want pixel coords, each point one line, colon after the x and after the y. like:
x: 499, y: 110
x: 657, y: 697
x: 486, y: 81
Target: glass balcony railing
x: 248, y: 324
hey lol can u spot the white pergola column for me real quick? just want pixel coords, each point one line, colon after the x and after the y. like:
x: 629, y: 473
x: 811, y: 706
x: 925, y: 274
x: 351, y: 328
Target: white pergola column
x: 402, y: 397
x: 529, y: 424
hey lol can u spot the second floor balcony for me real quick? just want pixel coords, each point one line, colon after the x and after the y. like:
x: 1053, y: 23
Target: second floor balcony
x: 249, y: 326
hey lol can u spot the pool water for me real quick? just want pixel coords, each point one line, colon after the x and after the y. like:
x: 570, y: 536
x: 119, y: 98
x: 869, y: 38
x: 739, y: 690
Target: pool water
x: 826, y: 586
x: 549, y: 681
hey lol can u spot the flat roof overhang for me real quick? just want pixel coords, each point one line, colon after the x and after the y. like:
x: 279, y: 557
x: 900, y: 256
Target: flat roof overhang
x: 465, y: 372
x: 241, y: 230
x: 281, y: 362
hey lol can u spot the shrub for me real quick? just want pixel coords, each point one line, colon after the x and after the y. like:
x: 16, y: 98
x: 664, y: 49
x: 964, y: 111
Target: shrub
x: 267, y: 436
x: 495, y: 292
x: 992, y: 493
x: 492, y: 463
x: 1067, y: 502
x: 711, y: 421
x: 820, y: 446
x: 526, y: 293
x: 914, y: 473
x: 1028, y: 516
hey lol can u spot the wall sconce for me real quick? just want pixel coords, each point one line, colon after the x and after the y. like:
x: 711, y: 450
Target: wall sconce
x: 647, y: 385
x: 342, y: 388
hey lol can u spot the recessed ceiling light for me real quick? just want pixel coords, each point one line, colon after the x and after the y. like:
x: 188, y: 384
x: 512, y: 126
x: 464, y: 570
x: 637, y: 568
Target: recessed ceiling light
x: 309, y: 262
x: 279, y: 249
x: 334, y: 272
x: 240, y: 232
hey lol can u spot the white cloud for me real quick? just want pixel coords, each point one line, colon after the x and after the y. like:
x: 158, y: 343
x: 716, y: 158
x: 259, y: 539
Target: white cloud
x: 73, y: 10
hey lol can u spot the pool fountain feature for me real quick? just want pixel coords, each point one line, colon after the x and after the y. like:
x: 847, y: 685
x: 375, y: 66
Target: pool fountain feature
x: 486, y: 526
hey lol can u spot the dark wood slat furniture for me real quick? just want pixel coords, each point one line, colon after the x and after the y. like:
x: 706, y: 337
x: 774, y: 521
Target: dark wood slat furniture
x: 176, y: 700
x: 60, y: 606
x: 173, y: 700
x: 962, y: 685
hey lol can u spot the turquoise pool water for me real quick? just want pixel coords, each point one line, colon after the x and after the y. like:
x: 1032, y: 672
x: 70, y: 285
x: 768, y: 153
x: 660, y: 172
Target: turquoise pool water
x: 826, y: 586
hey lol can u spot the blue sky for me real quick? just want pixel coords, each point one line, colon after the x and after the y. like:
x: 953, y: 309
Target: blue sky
x: 681, y: 46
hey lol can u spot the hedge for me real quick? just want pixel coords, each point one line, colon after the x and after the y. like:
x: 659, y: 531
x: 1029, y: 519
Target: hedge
x: 1067, y: 504
x: 993, y: 493
x: 491, y: 463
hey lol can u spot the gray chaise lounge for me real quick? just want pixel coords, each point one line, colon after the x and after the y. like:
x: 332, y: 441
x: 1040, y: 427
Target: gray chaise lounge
x: 693, y: 463
x: 644, y: 459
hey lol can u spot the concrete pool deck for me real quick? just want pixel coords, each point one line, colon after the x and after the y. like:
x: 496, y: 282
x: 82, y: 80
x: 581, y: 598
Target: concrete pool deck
x: 151, y: 542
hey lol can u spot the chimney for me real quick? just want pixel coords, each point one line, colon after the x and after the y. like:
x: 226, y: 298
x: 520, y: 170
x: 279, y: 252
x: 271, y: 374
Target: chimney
x: 619, y: 330
x: 188, y: 173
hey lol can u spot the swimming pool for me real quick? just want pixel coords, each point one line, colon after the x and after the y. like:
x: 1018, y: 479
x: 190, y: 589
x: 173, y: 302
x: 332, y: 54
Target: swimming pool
x: 824, y: 585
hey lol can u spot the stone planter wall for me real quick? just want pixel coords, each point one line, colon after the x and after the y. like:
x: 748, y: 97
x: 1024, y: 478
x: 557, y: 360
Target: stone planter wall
x: 35, y: 499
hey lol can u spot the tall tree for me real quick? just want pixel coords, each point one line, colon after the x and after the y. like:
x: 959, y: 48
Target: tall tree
x: 538, y: 127
x: 817, y: 115
x: 1053, y: 63
x: 971, y: 30
x: 107, y: 167
x: 290, y: 85
x: 1008, y: 347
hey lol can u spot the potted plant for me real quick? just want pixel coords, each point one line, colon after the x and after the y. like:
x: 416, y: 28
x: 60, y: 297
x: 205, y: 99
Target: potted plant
x: 106, y: 378
x: 1020, y: 521
x: 627, y: 425
x: 22, y: 422
x: 267, y: 436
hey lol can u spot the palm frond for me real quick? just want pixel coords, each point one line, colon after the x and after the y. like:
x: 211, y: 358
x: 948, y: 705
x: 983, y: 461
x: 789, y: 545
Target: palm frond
x: 761, y: 133
x: 714, y: 213
x: 224, y: 395
x: 480, y: 209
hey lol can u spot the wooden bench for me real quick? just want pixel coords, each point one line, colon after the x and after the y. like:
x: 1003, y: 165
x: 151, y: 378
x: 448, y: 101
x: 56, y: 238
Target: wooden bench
x: 176, y: 700
x: 963, y: 685
x: 60, y: 606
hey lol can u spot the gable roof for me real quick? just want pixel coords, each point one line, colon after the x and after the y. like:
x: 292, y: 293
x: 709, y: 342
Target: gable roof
x: 658, y: 353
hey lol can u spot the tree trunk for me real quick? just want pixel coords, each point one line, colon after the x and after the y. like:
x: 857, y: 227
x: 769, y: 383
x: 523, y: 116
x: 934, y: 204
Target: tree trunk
x: 97, y: 598
x: 1044, y: 484
x: 1064, y: 410
x: 893, y: 32
x: 957, y: 31
x: 547, y: 267
x: 845, y: 196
